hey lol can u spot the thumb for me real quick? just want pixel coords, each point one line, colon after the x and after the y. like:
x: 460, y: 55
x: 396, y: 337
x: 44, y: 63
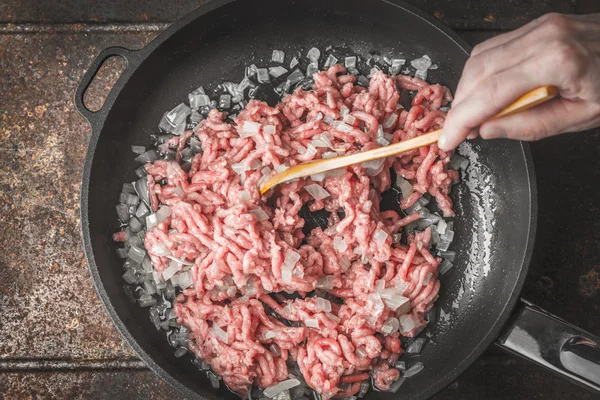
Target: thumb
x: 544, y: 120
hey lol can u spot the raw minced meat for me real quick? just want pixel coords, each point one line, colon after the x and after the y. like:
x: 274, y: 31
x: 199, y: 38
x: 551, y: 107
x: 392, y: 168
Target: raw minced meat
x: 246, y: 250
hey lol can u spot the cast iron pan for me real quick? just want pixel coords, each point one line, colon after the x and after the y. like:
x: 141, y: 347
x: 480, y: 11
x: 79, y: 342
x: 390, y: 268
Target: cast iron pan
x: 496, y: 203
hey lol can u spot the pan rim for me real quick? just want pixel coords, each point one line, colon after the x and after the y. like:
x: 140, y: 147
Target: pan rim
x: 97, y: 128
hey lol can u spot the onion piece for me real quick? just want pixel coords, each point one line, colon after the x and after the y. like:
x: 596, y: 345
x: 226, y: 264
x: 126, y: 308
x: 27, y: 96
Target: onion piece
x: 344, y: 263
x: 317, y: 191
x: 244, y: 196
x: 373, y: 167
x: 445, y: 266
x: 390, y: 121
x: 390, y: 326
x: 312, y: 323
x: 380, y: 236
x: 261, y: 215
x: 325, y: 282
x: 397, y: 383
x: 248, y: 129
x: 171, y: 270
x: 407, y: 323
x: 404, y: 186
x: 339, y: 244
x: 274, y: 390
x: 422, y: 63
x: 415, y: 369
x: 289, y: 262
x: 219, y: 333
x: 416, y: 346
x: 178, y: 260
x: 239, y: 168
x: 333, y: 317
x: 379, y: 285
x: 270, y: 335
x: 323, y: 304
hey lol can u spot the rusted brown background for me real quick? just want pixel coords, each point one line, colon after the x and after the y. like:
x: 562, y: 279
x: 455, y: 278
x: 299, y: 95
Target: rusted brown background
x: 55, y: 338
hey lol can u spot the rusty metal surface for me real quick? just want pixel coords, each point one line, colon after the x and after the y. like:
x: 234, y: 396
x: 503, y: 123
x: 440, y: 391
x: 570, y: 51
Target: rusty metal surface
x: 460, y: 14
x: 49, y: 307
x: 55, y: 338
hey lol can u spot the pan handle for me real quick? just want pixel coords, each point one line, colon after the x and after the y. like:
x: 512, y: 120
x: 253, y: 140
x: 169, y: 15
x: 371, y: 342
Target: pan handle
x: 554, y: 344
x: 128, y: 55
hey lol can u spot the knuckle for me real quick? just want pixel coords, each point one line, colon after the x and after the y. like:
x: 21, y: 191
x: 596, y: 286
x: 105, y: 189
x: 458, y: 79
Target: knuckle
x: 569, y: 58
x: 556, y: 24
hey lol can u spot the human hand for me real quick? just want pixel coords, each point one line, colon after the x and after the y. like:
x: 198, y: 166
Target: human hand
x: 555, y: 49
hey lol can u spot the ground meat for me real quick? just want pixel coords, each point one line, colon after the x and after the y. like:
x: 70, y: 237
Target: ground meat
x: 247, y: 250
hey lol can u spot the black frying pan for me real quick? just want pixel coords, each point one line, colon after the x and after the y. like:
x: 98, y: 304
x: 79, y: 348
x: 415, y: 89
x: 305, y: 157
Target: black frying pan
x: 496, y: 203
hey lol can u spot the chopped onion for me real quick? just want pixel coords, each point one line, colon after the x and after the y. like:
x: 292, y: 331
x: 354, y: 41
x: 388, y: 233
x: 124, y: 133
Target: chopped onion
x: 244, y: 195
x: 379, y: 285
x: 274, y: 390
x: 214, y: 380
x: 416, y: 346
x: 448, y: 235
x: 151, y: 221
x: 415, y: 369
x: 350, y: 62
x: 219, y: 333
x: 341, y: 126
x: 331, y: 60
x: 407, y: 323
x: 339, y: 244
x: 401, y: 286
x: 261, y: 215
x: 398, y: 303
x: 378, y: 305
x: 422, y: 63
x: 239, y: 168
x: 280, y: 168
x: 136, y: 254
x: 345, y: 264
x: 298, y: 272
x: 441, y: 227
x: 294, y: 62
x: 397, y: 64
x: 138, y: 149
x: 323, y: 304
x: 390, y: 326
x: 313, y: 54
x: 269, y: 129
x: 312, y: 323
x: 310, y: 149
x: 404, y: 186
x: 277, y: 71
x: 185, y: 279
x: 163, y: 213
x: 291, y: 258
x: 349, y: 119
x: 397, y: 383
x: 325, y: 282
x: 361, y: 353
x: 178, y: 260
x: 262, y: 75
x: 445, y: 266
x: 421, y: 74
x: 171, y: 270
x: 270, y: 335
x: 448, y: 255
x: 333, y: 317
x: 249, y: 128
x: 380, y: 236
x: 278, y: 56
x: 388, y: 123
x: 317, y: 191
x: 295, y: 77
x: 373, y: 167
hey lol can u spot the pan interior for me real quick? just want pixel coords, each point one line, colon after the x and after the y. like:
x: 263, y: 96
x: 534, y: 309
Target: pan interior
x: 493, y: 202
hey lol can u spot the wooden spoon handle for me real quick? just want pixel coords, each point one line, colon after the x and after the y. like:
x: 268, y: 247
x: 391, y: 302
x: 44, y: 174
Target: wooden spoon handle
x: 523, y: 103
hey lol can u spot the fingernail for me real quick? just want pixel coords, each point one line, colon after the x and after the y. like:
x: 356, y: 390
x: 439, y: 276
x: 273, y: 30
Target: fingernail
x: 442, y: 142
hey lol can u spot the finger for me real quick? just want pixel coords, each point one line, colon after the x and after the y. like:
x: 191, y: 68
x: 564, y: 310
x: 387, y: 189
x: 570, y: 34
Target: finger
x: 497, y: 92
x: 545, y: 120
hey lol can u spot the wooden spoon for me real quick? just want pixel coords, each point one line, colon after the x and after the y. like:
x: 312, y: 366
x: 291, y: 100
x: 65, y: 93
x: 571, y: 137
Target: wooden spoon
x: 525, y: 102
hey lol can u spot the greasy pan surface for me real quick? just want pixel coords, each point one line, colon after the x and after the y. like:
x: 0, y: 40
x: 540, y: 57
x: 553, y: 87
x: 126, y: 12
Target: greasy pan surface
x: 495, y: 204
